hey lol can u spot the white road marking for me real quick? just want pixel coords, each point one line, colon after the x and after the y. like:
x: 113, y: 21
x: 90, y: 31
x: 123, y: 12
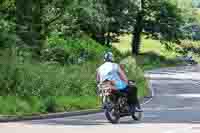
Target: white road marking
x: 183, y: 76
x: 189, y: 95
x: 147, y: 101
x: 152, y: 94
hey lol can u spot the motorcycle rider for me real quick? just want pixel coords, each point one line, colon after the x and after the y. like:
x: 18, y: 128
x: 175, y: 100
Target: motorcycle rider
x: 110, y: 71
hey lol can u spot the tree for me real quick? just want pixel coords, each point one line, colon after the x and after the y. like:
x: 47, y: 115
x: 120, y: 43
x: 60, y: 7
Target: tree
x: 35, y: 17
x: 7, y: 23
x: 191, y: 18
x: 97, y: 18
x: 101, y: 18
x: 138, y: 28
x: 91, y: 18
x: 121, y: 15
x: 159, y: 19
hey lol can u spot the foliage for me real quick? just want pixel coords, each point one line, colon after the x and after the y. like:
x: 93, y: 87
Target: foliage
x: 75, y: 51
x: 153, y: 53
x: 72, y: 50
x: 34, y: 20
x: 100, y: 18
x: 164, y: 22
x: 7, y: 9
x: 121, y: 15
x: 33, y: 105
x: 96, y: 18
x: 59, y: 32
x: 191, y: 17
x: 187, y: 46
x: 7, y: 34
x: 7, y: 24
x: 158, y: 19
x: 34, y: 87
x: 40, y: 80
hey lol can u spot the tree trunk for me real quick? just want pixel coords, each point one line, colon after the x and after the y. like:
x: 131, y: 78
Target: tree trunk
x: 24, y: 20
x: 138, y: 28
x: 38, y: 27
x: 100, y: 38
x: 108, y: 40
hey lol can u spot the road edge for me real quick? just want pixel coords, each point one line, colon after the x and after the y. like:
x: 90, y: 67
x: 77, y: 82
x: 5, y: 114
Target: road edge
x: 5, y: 119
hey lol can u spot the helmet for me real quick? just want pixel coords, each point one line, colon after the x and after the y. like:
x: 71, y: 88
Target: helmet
x: 108, y: 56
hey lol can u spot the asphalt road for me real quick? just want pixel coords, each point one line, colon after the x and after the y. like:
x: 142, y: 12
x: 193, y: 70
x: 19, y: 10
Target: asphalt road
x: 175, y: 108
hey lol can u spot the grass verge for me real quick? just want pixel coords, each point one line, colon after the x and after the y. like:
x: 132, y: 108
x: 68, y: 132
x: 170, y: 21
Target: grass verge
x: 153, y: 53
x: 47, y: 89
x: 33, y: 105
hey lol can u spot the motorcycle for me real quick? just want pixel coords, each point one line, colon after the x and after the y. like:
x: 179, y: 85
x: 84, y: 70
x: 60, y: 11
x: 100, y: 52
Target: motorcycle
x: 115, y: 103
x: 188, y: 59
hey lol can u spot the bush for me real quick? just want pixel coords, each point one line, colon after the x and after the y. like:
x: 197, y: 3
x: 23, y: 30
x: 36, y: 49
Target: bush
x: 13, y: 105
x: 76, y: 51
x: 7, y: 34
x: 35, y: 79
x: 32, y: 105
x: 72, y: 50
x: 187, y: 46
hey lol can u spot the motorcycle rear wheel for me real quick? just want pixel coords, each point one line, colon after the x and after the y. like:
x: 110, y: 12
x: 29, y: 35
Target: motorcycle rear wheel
x: 112, y: 115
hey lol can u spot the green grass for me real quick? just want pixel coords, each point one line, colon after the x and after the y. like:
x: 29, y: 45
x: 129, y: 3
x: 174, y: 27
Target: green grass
x: 152, y: 53
x: 32, y: 105
x: 33, y: 87
x: 44, y: 88
x: 147, y: 46
x: 124, y: 44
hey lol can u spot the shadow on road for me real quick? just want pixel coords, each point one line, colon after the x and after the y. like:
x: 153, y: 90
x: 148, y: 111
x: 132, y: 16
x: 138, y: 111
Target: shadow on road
x: 80, y: 122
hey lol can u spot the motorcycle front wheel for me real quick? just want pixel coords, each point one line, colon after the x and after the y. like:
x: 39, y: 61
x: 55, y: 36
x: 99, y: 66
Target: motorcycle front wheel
x: 137, y: 116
